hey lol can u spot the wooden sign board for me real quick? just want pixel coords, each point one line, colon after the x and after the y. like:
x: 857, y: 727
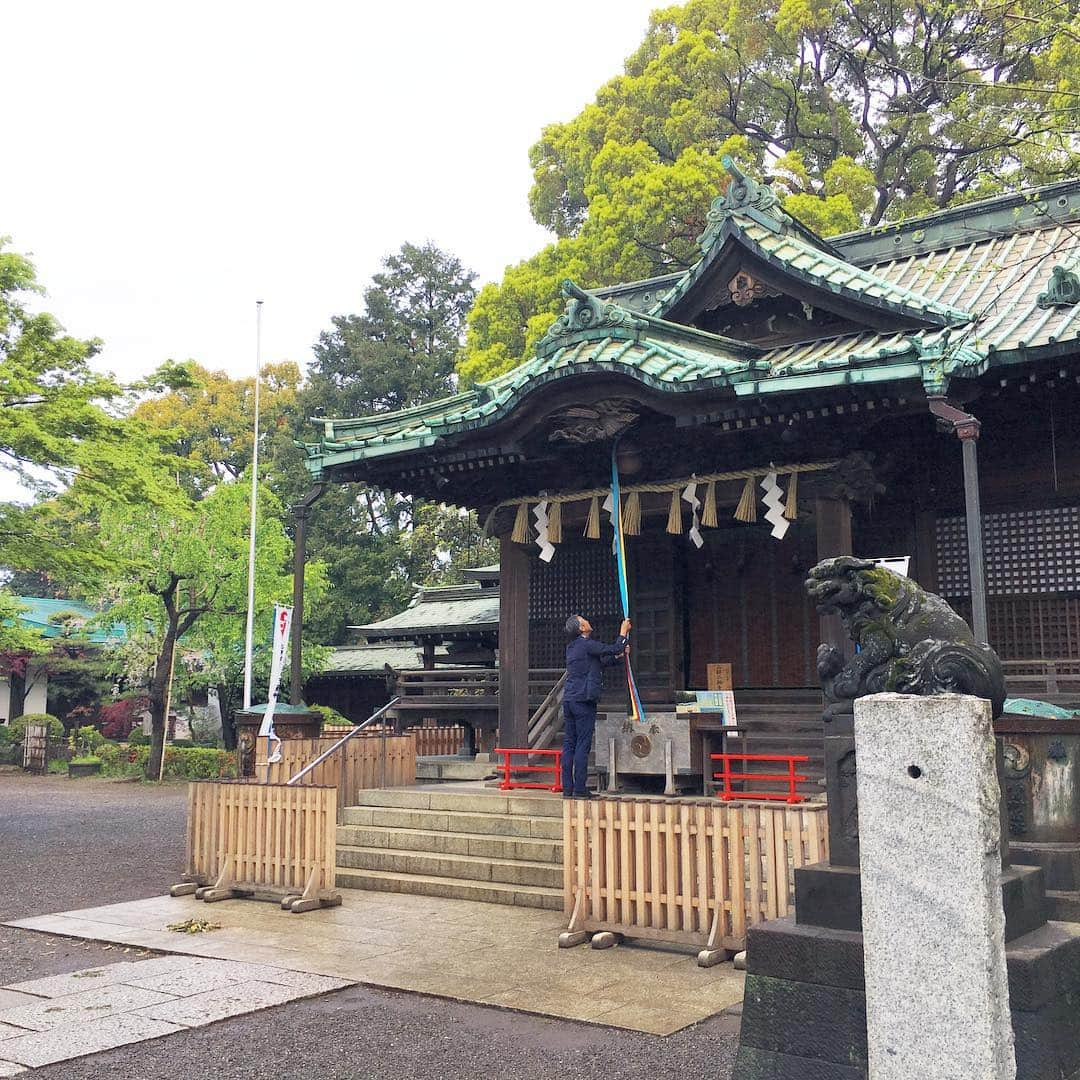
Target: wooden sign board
x: 718, y: 676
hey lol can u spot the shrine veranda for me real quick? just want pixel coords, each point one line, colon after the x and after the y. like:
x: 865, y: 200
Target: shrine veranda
x: 866, y: 368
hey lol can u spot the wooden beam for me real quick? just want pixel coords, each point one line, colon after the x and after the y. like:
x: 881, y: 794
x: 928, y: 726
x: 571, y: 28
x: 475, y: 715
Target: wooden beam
x: 513, y: 644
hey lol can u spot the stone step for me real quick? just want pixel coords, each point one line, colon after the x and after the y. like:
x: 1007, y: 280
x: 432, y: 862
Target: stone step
x: 464, y: 867
x: 444, y: 770
x: 474, y: 800
x: 454, y: 821
x: 482, y: 845
x: 491, y: 892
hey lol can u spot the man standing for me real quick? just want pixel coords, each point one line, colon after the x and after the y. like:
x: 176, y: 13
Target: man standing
x: 584, y: 659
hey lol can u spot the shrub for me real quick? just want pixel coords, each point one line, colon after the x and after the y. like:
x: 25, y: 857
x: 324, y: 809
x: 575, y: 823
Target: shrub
x: 181, y: 763
x: 138, y: 738
x: 6, y: 738
x: 17, y: 727
x: 120, y: 717
x: 331, y: 717
x: 88, y: 759
x: 89, y: 737
x: 183, y: 744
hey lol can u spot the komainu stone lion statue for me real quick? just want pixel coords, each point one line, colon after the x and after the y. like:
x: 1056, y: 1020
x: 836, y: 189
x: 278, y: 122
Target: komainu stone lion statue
x: 910, y: 641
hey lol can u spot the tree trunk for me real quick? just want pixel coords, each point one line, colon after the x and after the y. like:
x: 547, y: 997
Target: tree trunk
x: 159, y: 697
x: 228, y: 722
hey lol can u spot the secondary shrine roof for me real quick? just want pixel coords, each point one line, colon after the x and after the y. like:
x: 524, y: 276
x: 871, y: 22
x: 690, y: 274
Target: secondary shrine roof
x: 450, y: 611
x: 949, y: 295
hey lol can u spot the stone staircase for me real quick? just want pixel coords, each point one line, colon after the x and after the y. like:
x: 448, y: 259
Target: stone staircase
x: 467, y: 842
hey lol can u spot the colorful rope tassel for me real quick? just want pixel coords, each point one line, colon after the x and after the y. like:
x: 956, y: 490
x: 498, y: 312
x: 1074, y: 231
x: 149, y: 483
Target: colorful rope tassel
x: 747, y: 508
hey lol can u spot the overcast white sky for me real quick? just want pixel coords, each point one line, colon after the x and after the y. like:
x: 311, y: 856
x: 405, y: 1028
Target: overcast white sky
x: 166, y: 164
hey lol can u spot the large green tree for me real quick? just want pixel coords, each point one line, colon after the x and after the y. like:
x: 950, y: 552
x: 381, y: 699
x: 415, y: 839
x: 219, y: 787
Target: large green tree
x: 210, y: 421
x: 179, y: 571
x: 399, y: 350
x: 859, y: 111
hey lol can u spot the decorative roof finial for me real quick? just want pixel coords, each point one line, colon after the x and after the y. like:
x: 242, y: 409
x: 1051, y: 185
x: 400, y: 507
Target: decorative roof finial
x: 743, y: 195
x: 1063, y: 289
x: 586, y: 312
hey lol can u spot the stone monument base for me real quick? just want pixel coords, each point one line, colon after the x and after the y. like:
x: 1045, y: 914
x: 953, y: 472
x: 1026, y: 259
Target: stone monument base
x: 830, y: 897
x: 804, y: 1009
x: 1061, y: 868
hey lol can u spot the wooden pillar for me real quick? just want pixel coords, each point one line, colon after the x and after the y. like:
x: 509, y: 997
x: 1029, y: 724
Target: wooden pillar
x: 513, y: 644
x: 833, y: 520
x: 429, y: 655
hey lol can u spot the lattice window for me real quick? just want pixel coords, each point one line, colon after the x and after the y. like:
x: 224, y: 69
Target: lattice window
x: 579, y: 580
x: 1026, y: 552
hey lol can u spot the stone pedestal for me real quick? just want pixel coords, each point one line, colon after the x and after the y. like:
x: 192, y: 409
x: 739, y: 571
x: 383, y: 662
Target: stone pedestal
x: 804, y: 1013
x: 804, y: 1009
x: 930, y: 861
x: 290, y: 722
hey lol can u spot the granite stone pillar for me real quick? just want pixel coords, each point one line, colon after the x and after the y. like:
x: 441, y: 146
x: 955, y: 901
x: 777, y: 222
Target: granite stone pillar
x: 937, y: 993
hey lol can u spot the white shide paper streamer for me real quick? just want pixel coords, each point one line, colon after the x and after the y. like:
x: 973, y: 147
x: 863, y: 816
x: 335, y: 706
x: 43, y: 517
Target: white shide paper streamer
x: 547, y: 548
x: 774, y: 500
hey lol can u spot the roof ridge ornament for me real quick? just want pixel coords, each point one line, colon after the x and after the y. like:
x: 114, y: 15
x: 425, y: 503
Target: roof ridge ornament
x: 587, y: 312
x: 743, y: 195
x: 1062, y: 290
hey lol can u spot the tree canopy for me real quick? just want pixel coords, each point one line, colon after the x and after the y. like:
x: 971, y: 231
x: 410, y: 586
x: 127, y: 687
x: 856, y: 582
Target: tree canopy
x: 210, y: 421
x: 398, y: 350
x: 858, y: 112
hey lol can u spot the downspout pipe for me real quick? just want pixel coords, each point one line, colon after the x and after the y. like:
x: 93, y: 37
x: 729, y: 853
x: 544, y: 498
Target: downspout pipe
x: 966, y: 428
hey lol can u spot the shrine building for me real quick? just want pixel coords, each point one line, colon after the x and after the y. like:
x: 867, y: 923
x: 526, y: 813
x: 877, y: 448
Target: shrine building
x: 908, y: 391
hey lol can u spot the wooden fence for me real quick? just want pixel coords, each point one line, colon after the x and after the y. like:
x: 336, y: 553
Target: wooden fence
x: 438, y: 741
x: 692, y: 871
x: 267, y: 841
x: 375, y: 760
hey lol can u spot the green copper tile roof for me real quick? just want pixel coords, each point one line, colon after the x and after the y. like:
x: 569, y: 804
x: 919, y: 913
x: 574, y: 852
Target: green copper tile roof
x: 1001, y: 277
x: 452, y: 610
x: 749, y: 213
x: 1000, y: 281
x: 65, y: 618
x: 370, y: 659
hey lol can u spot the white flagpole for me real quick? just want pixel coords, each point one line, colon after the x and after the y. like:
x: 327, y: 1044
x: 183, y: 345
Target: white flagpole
x: 249, y: 633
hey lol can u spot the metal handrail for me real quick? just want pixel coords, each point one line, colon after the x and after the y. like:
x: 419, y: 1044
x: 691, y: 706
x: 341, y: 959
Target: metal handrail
x: 341, y: 742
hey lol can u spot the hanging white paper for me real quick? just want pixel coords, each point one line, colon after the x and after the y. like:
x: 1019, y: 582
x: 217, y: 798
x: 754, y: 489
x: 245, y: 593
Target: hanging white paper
x: 689, y: 495
x: 547, y: 548
x: 774, y: 500
x: 280, y: 649
x: 609, y: 505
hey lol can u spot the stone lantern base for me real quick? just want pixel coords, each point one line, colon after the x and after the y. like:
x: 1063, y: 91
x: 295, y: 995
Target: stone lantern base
x: 290, y: 722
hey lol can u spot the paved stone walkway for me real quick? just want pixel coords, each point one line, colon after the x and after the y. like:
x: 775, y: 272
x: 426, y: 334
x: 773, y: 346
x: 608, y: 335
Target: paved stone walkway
x: 484, y: 953
x: 44, y: 1021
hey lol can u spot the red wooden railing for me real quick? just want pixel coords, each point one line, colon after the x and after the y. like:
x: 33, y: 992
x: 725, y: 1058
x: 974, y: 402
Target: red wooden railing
x: 508, y: 782
x: 791, y: 777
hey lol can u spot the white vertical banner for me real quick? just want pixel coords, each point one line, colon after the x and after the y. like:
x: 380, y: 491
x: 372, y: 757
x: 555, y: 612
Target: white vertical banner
x: 282, y: 626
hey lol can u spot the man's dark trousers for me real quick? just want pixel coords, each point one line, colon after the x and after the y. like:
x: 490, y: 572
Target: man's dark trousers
x: 579, y: 723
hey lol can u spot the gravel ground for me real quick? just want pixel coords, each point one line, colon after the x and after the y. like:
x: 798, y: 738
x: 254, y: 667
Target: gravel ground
x: 78, y: 843
x: 67, y: 844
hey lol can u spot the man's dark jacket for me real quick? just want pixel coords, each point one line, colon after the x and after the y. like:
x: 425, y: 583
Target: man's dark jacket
x: 584, y: 659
